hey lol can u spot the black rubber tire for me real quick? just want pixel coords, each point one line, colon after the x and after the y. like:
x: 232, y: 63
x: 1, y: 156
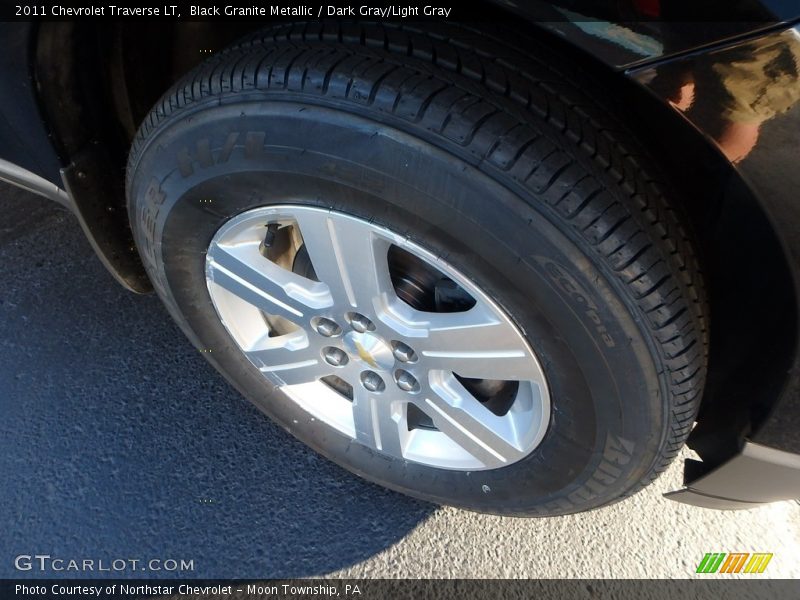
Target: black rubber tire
x: 476, y: 151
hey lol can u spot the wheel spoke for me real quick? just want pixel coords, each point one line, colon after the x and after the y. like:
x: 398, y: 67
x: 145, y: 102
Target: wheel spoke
x: 348, y: 257
x: 243, y: 271
x: 476, y: 344
x: 290, y: 357
x: 379, y: 422
x: 460, y: 417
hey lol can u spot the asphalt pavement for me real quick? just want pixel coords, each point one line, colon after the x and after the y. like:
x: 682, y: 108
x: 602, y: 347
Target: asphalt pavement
x: 117, y: 440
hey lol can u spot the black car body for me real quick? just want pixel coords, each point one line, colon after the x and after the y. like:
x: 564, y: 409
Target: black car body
x: 716, y: 93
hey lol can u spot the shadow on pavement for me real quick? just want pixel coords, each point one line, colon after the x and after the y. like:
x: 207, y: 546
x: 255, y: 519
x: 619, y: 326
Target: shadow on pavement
x: 117, y: 440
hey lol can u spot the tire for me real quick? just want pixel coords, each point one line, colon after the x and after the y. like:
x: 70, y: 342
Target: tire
x: 483, y: 158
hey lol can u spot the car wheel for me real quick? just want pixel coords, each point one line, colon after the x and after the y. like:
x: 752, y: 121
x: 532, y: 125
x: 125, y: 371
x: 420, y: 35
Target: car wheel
x: 439, y: 270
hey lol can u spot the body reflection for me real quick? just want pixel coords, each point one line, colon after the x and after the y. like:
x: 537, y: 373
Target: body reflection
x: 730, y: 94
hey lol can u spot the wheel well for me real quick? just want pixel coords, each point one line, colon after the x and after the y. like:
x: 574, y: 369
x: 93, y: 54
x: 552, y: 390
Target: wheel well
x: 749, y: 283
x: 96, y: 84
x: 753, y: 305
x: 101, y: 82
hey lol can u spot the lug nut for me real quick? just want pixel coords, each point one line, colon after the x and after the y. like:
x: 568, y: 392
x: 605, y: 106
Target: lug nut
x: 360, y: 323
x: 406, y: 381
x: 335, y: 356
x: 372, y: 381
x: 404, y: 352
x: 327, y: 327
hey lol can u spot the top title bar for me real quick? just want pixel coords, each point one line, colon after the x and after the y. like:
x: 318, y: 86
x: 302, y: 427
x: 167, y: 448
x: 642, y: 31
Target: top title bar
x: 760, y: 11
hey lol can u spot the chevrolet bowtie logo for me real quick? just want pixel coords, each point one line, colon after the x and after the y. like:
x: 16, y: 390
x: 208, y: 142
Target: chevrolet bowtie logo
x: 366, y: 356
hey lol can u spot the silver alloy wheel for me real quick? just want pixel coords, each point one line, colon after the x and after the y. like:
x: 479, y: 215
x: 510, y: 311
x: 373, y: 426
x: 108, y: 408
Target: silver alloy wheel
x: 353, y: 354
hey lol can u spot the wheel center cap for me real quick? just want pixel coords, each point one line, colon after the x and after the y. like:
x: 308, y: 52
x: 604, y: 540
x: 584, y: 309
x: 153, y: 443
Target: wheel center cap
x: 370, y: 349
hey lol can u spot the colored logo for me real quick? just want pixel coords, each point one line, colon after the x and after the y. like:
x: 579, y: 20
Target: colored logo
x: 366, y: 356
x: 735, y: 562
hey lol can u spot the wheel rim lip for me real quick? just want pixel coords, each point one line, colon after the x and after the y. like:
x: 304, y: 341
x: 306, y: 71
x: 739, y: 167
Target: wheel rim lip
x: 537, y: 389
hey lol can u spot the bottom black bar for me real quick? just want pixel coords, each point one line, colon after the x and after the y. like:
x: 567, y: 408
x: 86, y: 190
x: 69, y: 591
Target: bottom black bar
x: 715, y: 586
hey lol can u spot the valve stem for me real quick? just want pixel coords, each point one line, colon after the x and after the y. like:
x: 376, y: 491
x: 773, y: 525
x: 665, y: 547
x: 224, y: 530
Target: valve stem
x: 269, y: 238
